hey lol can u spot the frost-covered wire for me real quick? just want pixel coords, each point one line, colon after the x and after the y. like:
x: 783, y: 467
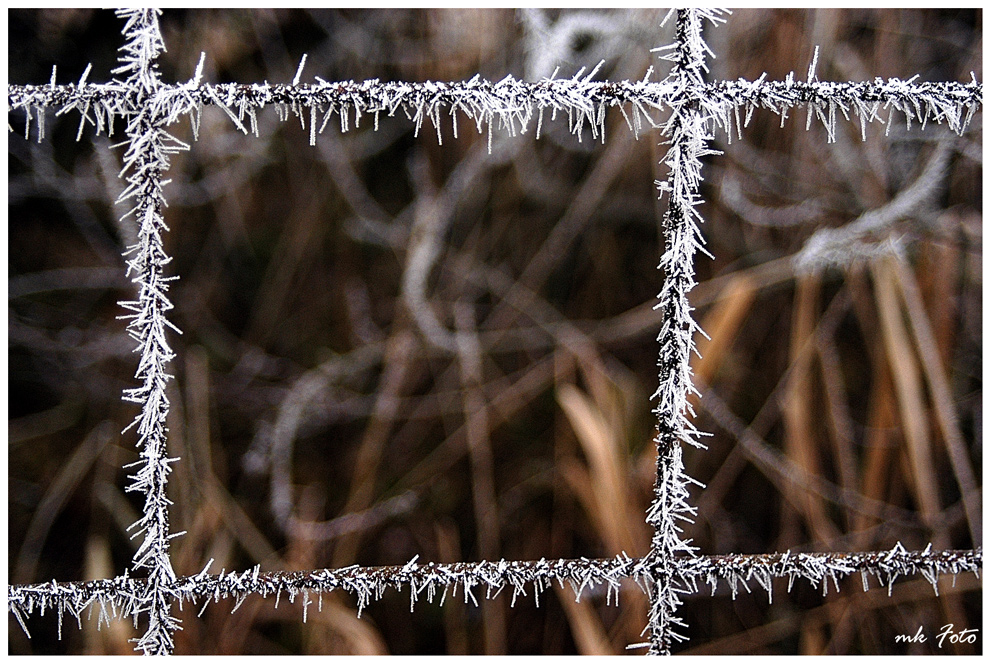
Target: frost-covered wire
x: 687, y: 132
x: 471, y: 582
x: 951, y: 103
x: 825, y: 569
x: 515, y: 106
x: 509, y: 104
x: 145, y: 162
x: 695, y: 108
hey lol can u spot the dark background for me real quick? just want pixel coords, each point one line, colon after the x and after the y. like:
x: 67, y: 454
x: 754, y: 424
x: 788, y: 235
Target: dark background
x: 291, y: 262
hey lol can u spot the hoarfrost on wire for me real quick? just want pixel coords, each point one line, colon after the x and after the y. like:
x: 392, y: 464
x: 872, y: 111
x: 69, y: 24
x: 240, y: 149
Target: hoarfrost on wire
x: 120, y: 597
x: 145, y: 161
x: 509, y: 104
x: 694, y: 109
x: 686, y: 132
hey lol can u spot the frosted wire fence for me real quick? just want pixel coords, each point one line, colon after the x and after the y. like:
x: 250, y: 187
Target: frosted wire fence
x: 694, y: 109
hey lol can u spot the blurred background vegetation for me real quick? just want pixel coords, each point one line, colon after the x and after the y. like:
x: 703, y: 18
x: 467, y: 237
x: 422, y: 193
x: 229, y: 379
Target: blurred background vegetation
x: 392, y: 348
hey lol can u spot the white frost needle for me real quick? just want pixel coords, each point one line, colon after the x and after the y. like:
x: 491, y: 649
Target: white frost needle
x: 299, y: 71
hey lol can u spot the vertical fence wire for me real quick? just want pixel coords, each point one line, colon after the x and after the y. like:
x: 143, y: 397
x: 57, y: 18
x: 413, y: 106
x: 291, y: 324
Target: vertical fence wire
x: 145, y: 164
x: 687, y: 131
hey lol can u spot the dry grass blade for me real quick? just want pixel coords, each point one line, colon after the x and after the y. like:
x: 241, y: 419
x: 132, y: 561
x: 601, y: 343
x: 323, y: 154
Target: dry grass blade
x: 840, y: 420
x: 586, y: 626
x: 601, y: 483
x: 338, y: 630
x: 791, y: 479
x: 941, y: 395
x: 909, y: 389
x: 219, y: 518
x: 454, y: 617
x: 800, y: 411
x: 722, y: 325
x: 606, y: 467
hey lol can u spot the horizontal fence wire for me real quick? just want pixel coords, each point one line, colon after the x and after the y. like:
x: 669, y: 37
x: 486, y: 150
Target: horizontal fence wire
x: 115, y: 598
x: 512, y: 105
x: 695, y: 105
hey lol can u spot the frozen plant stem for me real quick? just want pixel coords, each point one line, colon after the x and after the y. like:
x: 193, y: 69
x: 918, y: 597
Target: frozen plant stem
x: 687, y: 133
x: 145, y: 161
